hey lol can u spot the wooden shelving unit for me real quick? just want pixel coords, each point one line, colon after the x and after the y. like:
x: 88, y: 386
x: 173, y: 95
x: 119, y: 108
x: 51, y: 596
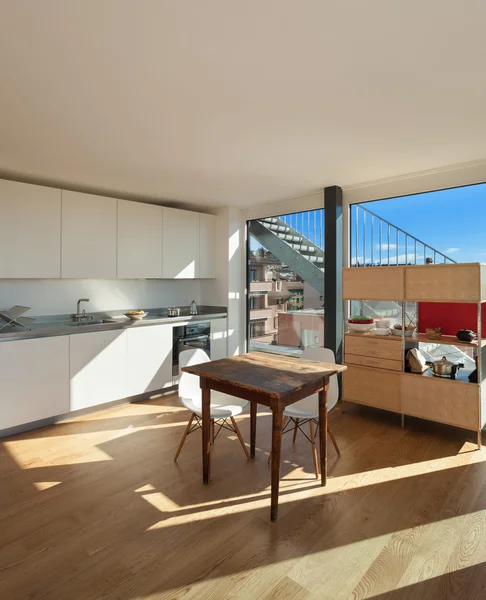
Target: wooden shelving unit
x: 376, y: 364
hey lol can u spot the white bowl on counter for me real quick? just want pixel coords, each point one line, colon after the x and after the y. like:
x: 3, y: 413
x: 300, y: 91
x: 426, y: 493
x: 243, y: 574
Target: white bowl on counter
x: 360, y: 327
x: 382, y: 331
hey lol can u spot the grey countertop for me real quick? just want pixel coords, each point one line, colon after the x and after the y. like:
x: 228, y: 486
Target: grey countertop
x: 53, y: 325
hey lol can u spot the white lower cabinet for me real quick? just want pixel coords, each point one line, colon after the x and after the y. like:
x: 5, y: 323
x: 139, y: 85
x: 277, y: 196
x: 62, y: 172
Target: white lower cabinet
x: 219, y: 338
x: 34, y: 380
x: 149, y: 359
x: 97, y: 368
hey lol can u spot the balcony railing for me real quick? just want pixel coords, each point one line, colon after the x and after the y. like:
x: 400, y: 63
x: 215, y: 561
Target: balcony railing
x: 377, y: 242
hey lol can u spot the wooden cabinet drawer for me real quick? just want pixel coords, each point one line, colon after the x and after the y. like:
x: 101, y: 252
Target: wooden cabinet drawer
x: 451, y: 402
x: 373, y: 347
x: 372, y: 387
x: 377, y: 363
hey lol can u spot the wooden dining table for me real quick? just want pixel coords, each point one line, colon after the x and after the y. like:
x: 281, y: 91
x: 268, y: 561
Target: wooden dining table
x: 274, y: 381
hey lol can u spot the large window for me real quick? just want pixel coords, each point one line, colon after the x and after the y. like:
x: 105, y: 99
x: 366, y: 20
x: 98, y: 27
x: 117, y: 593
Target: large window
x: 285, y: 296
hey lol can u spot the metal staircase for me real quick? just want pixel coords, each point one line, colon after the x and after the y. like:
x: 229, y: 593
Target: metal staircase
x: 302, y: 256
x: 298, y: 241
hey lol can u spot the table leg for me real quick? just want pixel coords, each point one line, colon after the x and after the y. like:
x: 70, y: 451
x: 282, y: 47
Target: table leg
x: 277, y: 417
x: 253, y: 418
x: 206, y: 430
x: 323, y: 430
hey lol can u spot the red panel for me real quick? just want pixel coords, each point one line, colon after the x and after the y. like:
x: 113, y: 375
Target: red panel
x: 451, y: 316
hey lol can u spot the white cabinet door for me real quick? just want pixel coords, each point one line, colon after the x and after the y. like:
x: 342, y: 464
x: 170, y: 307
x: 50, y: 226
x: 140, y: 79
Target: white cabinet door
x: 149, y: 352
x: 34, y: 380
x: 207, y: 246
x: 97, y: 368
x: 30, y: 241
x: 88, y: 236
x: 219, y: 338
x: 139, y: 240
x: 180, y: 254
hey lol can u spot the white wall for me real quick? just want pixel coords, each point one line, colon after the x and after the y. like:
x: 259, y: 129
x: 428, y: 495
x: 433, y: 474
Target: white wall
x: 59, y: 296
x: 229, y: 287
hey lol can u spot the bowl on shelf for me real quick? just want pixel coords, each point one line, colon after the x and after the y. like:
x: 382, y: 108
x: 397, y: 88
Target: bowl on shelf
x: 361, y: 327
x: 433, y: 333
x: 136, y: 315
x: 381, y: 331
x: 409, y: 330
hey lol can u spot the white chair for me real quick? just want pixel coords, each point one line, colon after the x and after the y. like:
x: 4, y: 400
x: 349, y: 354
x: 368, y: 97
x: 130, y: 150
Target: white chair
x: 307, y: 410
x: 223, y: 407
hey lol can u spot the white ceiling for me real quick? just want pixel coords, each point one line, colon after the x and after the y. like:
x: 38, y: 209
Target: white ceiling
x: 238, y: 102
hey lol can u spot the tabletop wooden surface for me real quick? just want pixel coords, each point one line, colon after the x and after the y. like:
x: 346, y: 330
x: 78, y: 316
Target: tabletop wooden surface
x: 270, y: 374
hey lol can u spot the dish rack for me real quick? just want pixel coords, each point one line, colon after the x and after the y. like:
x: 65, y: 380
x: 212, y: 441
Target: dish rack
x: 13, y: 316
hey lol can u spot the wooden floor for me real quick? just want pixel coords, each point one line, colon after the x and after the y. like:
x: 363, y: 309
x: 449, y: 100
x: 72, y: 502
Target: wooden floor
x: 96, y: 508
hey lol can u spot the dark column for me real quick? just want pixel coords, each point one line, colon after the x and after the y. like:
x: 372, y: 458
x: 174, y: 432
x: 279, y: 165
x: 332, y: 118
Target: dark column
x: 333, y: 265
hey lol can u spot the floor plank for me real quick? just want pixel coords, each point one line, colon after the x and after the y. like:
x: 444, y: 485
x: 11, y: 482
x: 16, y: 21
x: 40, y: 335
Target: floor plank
x: 95, y: 508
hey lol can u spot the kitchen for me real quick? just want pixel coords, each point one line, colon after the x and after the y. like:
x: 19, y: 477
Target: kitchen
x: 81, y: 262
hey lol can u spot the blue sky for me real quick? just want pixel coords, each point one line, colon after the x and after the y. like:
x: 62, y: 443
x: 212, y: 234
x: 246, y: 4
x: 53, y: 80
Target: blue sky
x: 452, y: 221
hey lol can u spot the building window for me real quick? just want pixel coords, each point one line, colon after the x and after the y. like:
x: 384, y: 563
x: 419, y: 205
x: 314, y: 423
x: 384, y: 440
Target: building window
x: 278, y: 286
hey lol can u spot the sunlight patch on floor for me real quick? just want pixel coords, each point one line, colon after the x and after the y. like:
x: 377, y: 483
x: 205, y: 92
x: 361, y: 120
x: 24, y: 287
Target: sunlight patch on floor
x: 45, y: 485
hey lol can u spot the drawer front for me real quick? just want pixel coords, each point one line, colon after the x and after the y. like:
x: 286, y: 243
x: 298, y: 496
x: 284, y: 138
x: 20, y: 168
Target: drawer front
x: 452, y: 402
x: 377, y: 363
x: 374, y: 348
x: 373, y: 387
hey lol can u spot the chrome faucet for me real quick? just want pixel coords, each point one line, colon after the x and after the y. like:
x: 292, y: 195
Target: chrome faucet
x: 81, y: 316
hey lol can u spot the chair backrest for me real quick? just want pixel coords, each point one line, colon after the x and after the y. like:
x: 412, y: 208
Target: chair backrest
x: 325, y: 355
x: 189, y: 386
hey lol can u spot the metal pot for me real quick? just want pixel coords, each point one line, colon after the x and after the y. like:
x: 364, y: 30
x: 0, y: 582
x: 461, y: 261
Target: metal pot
x: 173, y: 312
x: 465, y: 335
x: 444, y: 367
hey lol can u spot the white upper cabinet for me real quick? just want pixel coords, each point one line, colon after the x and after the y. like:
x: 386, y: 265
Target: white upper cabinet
x: 89, y: 234
x: 139, y: 240
x: 149, y: 352
x: 180, y: 243
x: 30, y: 242
x: 207, y: 246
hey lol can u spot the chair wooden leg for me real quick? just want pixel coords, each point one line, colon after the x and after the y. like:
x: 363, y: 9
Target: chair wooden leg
x: 314, y: 449
x: 184, y: 435
x: 333, y: 440
x: 212, y: 431
x: 240, y: 437
x: 284, y: 422
x: 295, y: 430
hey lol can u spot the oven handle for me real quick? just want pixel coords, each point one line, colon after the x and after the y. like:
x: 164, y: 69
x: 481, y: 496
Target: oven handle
x: 194, y: 338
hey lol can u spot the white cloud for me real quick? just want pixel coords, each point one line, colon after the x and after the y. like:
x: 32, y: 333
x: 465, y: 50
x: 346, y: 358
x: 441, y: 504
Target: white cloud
x: 386, y: 246
x: 452, y: 250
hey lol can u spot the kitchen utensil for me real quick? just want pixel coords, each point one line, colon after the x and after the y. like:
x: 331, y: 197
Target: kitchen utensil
x: 381, y: 331
x: 193, y: 308
x: 397, y: 330
x: 383, y: 323
x: 136, y: 315
x: 433, y: 333
x: 465, y: 335
x: 445, y: 367
x: 173, y: 311
x: 361, y: 327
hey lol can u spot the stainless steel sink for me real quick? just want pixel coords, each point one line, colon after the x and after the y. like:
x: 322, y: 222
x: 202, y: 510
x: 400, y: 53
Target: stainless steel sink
x: 94, y: 322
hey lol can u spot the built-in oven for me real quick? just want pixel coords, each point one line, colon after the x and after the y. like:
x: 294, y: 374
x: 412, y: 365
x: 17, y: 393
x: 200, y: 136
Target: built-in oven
x: 193, y: 335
